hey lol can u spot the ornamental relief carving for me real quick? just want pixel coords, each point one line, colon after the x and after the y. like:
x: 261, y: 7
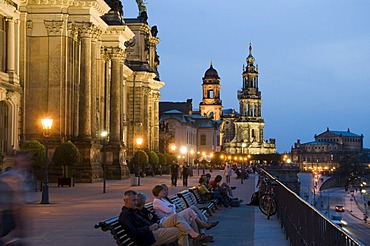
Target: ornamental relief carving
x: 29, y: 26
x: 14, y: 97
x: 54, y: 27
x: 115, y: 53
x: 85, y: 29
x: 72, y: 31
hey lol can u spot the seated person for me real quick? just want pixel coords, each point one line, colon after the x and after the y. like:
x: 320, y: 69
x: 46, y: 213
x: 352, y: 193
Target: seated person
x: 211, y: 194
x: 174, y: 220
x: 199, y: 213
x: 163, y: 208
x: 224, y: 189
x: 144, y: 232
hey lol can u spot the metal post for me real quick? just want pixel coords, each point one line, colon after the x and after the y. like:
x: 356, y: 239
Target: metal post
x: 45, y: 187
x: 104, y: 165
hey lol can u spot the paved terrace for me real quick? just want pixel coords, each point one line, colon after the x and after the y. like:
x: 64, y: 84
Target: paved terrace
x: 70, y: 217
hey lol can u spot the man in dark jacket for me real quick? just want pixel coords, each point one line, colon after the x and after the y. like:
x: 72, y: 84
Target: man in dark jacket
x: 143, y: 231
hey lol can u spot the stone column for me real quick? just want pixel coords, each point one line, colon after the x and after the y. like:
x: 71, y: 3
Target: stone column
x: 117, y: 57
x: 84, y: 126
x: 11, y: 45
x: 95, y: 36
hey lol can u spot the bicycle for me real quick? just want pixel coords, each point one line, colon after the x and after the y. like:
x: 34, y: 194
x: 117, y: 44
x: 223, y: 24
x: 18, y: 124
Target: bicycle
x: 267, y: 202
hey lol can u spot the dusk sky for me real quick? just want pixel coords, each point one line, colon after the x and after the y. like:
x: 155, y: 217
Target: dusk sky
x: 313, y: 58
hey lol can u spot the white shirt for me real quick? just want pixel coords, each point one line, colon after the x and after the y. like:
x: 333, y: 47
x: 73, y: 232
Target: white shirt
x: 163, y: 208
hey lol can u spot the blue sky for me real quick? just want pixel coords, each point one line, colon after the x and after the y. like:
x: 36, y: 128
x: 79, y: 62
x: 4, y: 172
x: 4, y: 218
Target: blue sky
x: 313, y: 58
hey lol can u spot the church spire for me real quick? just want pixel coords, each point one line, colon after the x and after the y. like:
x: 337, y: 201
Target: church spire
x: 250, y: 49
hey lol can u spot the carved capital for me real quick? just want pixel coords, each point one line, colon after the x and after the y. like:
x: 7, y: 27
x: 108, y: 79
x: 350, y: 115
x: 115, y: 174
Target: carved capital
x: 14, y: 97
x: 96, y: 33
x: 72, y: 31
x: 85, y: 29
x: 115, y: 53
x: 54, y: 27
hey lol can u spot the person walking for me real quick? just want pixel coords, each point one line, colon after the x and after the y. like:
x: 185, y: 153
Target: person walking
x: 185, y: 174
x: 227, y: 172
x: 174, y: 173
x: 15, y: 185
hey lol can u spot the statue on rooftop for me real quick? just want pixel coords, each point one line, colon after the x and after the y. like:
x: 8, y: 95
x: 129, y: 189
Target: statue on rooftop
x: 141, y: 6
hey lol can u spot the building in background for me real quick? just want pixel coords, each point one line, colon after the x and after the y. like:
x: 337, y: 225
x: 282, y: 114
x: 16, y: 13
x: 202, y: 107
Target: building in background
x: 327, y: 150
x: 211, y: 104
x: 244, y: 133
x: 188, y: 134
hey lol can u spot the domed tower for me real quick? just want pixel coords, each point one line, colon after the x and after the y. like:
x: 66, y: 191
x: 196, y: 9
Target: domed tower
x: 249, y: 127
x: 211, y: 105
x: 250, y: 96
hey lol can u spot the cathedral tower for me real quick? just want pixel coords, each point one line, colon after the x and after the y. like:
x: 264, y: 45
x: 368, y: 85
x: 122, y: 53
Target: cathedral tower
x: 249, y: 126
x: 211, y: 105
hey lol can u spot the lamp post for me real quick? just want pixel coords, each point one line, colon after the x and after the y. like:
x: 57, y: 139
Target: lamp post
x: 139, y: 141
x: 47, y: 123
x: 104, y: 136
x: 184, y: 151
x: 191, y: 157
x: 204, y: 165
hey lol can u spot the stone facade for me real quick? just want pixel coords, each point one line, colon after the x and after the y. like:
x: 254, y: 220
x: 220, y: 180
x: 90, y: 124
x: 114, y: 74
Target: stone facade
x: 327, y: 149
x: 70, y: 61
x: 243, y: 134
x: 211, y: 105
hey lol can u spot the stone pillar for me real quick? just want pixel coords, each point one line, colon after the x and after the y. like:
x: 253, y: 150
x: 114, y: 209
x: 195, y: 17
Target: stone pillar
x: 117, y: 57
x: 11, y: 45
x: 84, y: 126
x: 94, y: 52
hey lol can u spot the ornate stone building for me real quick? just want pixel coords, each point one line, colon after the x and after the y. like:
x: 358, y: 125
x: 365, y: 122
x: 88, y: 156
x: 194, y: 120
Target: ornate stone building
x: 327, y: 149
x: 248, y: 127
x: 10, y: 76
x: 80, y: 63
x: 211, y: 105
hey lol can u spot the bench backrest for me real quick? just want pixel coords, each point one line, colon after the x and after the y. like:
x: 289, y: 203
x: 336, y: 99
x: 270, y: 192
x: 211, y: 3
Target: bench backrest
x: 180, y: 204
x: 197, y: 194
x: 120, y: 234
x: 188, y: 197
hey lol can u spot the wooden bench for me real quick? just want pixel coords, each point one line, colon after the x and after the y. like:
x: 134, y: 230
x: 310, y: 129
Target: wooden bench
x: 117, y: 230
x: 179, y: 203
x: 191, y: 200
x: 211, y: 204
x: 119, y: 233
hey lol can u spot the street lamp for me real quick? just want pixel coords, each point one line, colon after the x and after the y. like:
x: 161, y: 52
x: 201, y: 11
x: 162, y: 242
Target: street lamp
x: 191, y: 156
x: 204, y: 165
x: 139, y: 141
x: 47, y: 123
x: 184, y: 151
x: 104, y: 136
x: 173, y: 148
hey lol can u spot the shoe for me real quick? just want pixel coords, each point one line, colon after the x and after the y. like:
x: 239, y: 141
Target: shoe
x: 233, y: 187
x: 201, y: 238
x: 213, y: 224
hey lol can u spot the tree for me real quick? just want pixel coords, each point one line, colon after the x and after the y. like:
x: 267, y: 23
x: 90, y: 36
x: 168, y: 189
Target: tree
x: 153, y: 161
x: 162, y: 159
x: 162, y: 162
x: 350, y: 165
x: 139, y: 161
x: 38, y: 151
x: 66, y: 155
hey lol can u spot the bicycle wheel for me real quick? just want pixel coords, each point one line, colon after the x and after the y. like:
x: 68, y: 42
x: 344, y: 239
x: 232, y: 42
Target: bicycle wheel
x: 267, y: 205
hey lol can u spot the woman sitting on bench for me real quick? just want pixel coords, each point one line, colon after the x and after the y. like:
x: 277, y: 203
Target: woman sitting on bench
x: 164, y: 208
